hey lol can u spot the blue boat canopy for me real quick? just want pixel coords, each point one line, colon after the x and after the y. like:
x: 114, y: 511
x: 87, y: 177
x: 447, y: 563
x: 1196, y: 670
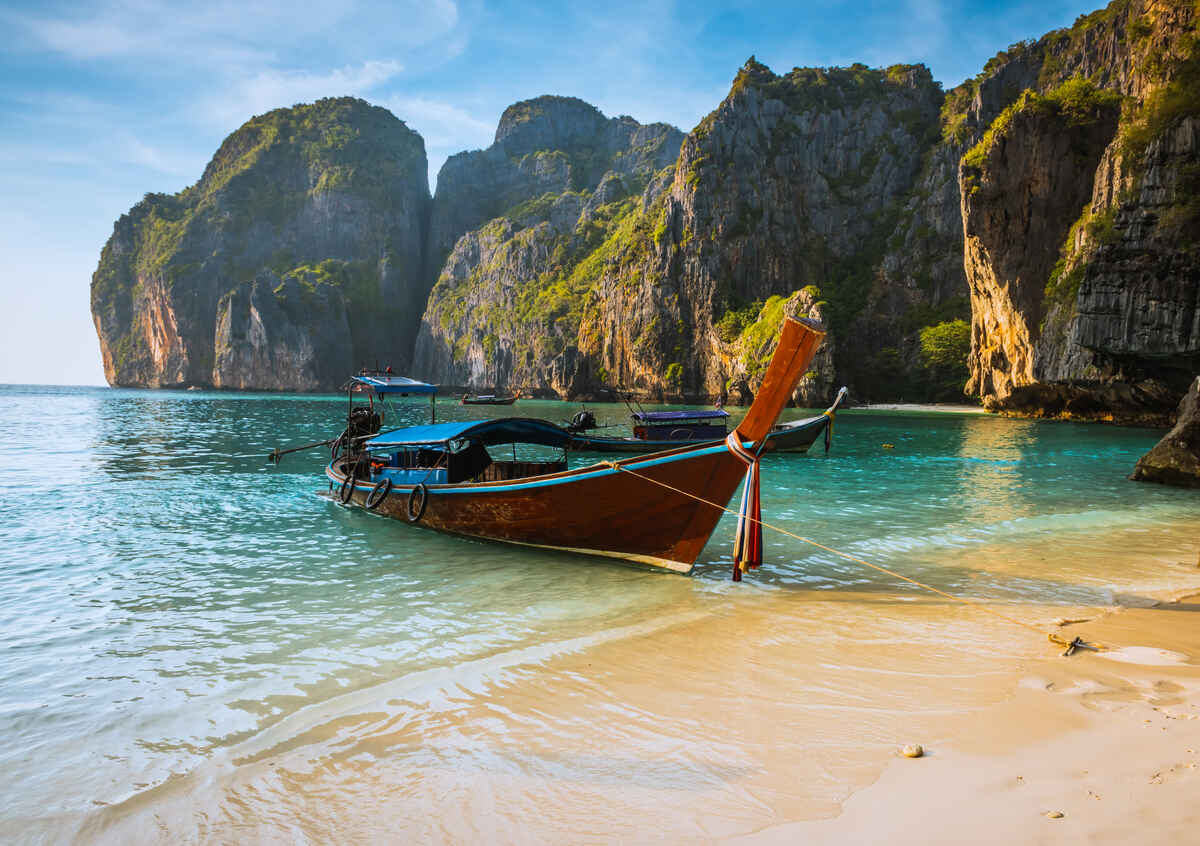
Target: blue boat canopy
x: 521, y: 430
x: 386, y: 383
x: 652, y: 416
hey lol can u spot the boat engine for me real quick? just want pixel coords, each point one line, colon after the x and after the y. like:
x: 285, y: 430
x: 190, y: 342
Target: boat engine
x: 363, y: 421
x: 582, y: 421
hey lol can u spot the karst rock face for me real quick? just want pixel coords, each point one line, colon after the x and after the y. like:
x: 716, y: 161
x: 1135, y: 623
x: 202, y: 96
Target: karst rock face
x: 1051, y: 201
x: 665, y: 278
x: 526, y: 223
x: 328, y: 200
x: 1081, y: 219
x: 293, y: 326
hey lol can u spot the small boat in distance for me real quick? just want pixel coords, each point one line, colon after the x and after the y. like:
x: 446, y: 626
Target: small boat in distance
x: 488, y: 399
x: 702, y: 425
x: 656, y: 509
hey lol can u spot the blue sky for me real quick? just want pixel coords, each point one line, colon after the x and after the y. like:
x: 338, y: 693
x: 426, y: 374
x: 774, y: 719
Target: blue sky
x: 101, y: 102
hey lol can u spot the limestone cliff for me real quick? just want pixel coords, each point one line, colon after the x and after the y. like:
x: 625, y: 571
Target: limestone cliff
x: 333, y: 195
x: 1081, y: 220
x: 789, y: 196
x: 558, y: 184
x: 548, y: 145
x: 287, y: 334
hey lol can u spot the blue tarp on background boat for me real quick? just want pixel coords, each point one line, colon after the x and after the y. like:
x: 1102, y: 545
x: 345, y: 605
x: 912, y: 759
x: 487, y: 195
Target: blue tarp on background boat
x: 388, y: 384
x: 652, y: 416
x: 522, y: 430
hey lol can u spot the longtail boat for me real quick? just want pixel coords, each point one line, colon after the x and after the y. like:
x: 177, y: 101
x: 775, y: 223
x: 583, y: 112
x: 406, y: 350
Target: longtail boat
x: 796, y: 436
x: 696, y: 426
x: 488, y: 399
x: 658, y: 509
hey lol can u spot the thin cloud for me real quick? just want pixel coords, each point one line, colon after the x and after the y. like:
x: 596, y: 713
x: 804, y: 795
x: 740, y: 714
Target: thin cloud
x: 268, y: 89
x: 441, y: 124
x: 162, y: 160
x: 232, y: 31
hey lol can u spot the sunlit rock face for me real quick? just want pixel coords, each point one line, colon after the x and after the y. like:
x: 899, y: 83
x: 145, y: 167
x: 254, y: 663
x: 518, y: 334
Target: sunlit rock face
x: 1080, y: 219
x: 332, y: 196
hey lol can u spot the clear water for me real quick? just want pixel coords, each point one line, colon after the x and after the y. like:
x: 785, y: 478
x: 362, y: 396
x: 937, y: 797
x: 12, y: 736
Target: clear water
x: 195, y: 646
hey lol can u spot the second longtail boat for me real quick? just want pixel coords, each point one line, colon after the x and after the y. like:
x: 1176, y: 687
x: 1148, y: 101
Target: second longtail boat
x: 796, y: 436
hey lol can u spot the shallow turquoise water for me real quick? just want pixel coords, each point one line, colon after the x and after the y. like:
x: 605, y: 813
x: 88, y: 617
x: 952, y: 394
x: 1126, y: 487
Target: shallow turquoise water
x: 167, y: 598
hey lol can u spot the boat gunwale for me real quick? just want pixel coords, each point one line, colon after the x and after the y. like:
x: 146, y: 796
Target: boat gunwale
x: 590, y: 471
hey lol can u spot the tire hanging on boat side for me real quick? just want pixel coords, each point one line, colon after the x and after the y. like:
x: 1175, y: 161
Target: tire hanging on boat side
x: 416, y: 509
x: 378, y: 494
x: 346, y: 491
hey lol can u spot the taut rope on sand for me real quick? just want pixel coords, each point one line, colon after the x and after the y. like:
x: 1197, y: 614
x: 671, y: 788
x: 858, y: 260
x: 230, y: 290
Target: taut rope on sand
x: 1071, y: 645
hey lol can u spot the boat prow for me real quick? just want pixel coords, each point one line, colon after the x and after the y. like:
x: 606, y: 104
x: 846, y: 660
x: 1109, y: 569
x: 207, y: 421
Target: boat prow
x: 799, y: 435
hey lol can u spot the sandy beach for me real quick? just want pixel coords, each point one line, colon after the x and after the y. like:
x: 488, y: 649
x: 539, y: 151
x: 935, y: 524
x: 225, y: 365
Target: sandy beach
x: 918, y: 407
x: 1014, y: 733
x: 1099, y: 747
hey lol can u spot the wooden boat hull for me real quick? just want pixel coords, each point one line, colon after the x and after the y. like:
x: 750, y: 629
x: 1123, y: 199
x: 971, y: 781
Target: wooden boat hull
x: 597, y: 510
x: 798, y: 436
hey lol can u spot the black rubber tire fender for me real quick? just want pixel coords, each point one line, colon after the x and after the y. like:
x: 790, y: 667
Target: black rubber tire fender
x: 378, y: 494
x: 346, y: 491
x: 415, y: 509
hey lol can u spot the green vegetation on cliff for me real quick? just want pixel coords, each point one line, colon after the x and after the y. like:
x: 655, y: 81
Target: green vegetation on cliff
x: 1076, y: 102
x: 1169, y: 104
x: 807, y: 89
x: 340, y: 144
x: 541, y: 314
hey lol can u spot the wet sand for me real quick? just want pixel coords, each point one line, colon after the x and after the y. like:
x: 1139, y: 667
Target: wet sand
x: 1100, y: 747
x: 778, y: 721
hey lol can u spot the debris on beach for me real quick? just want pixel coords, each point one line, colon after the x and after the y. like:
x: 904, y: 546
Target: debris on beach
x: 912, y: 750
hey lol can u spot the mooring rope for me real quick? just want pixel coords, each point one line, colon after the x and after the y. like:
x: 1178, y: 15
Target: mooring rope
x: 1071, y: 645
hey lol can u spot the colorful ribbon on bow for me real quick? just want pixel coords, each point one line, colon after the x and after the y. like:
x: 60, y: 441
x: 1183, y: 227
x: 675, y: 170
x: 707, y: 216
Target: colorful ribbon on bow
x: 747, y: 543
